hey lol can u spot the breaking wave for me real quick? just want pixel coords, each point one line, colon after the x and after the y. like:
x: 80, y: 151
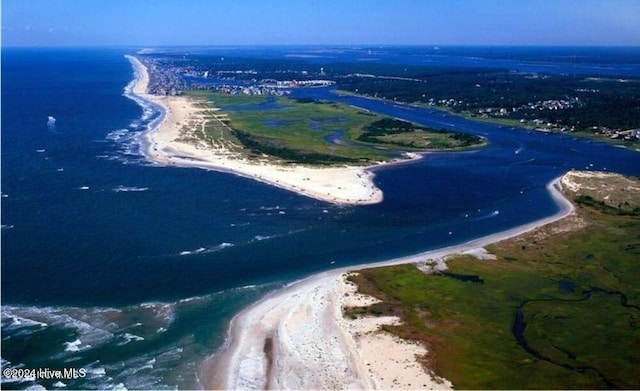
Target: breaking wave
x: 205, y: 250
x: 142, y: 346
x: 130, y: 141
x: 129, y: 189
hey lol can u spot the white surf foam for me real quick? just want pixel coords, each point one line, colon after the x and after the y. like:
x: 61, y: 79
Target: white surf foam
x: 260, y: 238
x: 129, y: 188
x: 73, y: 346
x: 205, y: 250
x: 128, y: 337
x: 21, y: 320
x: 490, y: 215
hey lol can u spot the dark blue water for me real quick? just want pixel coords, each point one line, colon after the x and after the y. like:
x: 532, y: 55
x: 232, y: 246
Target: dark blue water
x: 133, y: 270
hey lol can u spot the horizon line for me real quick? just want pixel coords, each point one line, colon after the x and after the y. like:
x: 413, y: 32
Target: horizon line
x: 229, y: 45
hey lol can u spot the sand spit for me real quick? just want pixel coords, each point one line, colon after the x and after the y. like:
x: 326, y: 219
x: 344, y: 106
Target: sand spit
x: 167, y: 145
x: 298, y: 338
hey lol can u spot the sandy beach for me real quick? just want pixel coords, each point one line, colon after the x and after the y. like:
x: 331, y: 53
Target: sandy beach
x: 166, y: 145
x: 298, y: 338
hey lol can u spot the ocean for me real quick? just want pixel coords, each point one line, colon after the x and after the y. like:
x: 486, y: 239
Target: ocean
x: 133, y: 271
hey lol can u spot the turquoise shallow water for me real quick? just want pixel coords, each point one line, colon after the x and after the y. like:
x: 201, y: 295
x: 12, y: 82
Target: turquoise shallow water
x: 132, y: 271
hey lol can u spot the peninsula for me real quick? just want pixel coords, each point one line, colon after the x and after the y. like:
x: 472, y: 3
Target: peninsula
x: 341, y: 185
x: 308, y: 157
x: 325, y: 332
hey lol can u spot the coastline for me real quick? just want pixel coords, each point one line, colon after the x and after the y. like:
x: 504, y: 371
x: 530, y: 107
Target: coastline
x: 349, y: 185
x: 300, y: 329
x: 503, y: 123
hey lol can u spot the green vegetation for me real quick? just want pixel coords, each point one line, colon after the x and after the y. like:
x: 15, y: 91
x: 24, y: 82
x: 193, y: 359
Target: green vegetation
x: 396, y: 133
x: 213, y: 132
x: 592, y: 107
x: 268, y: 146
x: 601, y: 102
x: 318, y: 132
x: 604, y: 208
x: 554, y: 311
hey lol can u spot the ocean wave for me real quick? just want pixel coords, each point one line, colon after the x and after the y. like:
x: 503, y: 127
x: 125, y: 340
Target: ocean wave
x: 277, y: 207
x: 95, y: 370
x: 14, y: 323
x: 148, y: 358
x: 81, y: 334
x: 268, y: 211
x: 25, y: 322
x: 490, y: 215
x: 129, y: 188
x: 129, y: 141
x: 260, y: 238
x: 128, y: 146
x: 163, y: 313
x: 8, y: 364
x: 128, y: 337
x: 91, y: 327
x: 205, y: 250
x: 170, y: 355
x: 118, y: 134
x: 73, y: 346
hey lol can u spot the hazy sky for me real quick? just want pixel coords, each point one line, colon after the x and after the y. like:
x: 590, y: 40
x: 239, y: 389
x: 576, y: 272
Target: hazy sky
x: 248, y: 22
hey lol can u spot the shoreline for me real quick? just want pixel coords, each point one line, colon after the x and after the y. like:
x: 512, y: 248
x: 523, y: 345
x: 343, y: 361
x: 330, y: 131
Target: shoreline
x: 497, y: 122
x: 300, y: 329
x: 348, y: 185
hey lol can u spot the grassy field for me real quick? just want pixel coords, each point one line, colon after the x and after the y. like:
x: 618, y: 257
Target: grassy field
x: 316, y: 132
x: 558, y: 309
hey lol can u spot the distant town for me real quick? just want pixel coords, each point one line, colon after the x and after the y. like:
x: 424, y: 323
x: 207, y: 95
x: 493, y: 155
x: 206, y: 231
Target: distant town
x: 603, y: 107
x: 168, y: 78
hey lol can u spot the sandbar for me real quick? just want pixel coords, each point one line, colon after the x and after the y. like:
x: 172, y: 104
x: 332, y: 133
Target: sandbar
x: 350, y: 185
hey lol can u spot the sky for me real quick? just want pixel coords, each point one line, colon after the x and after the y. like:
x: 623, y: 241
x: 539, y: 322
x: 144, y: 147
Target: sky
x: 317, y: 22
